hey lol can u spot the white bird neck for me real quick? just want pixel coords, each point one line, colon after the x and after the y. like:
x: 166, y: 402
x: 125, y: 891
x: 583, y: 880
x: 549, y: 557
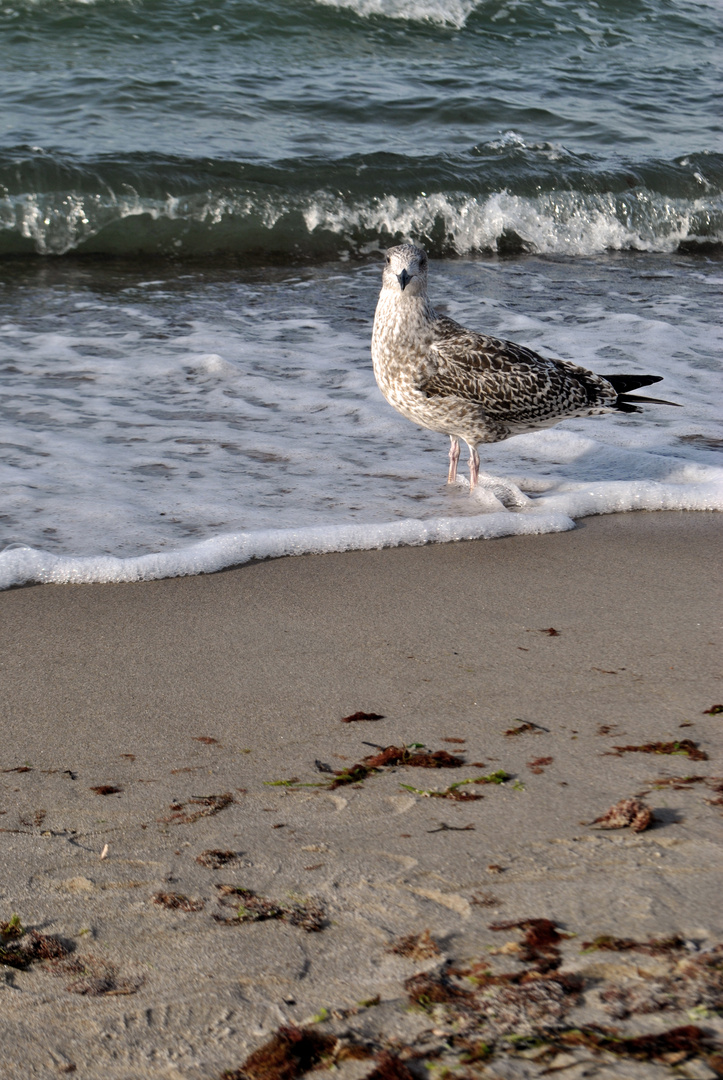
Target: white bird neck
x: 400, y: 316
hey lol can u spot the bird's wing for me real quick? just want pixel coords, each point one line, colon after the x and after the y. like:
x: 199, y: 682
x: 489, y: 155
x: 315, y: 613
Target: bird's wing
x: 508, y: 380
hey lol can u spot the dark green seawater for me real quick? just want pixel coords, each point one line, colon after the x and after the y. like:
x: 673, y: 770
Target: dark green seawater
x: 277, y: 129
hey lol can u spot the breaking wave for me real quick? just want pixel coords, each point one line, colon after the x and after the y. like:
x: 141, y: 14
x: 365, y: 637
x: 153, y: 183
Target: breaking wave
x: 444, y: 12
x: 502, y: 197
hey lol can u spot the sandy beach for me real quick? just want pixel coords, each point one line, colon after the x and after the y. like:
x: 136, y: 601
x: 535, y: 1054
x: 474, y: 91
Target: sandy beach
x: 144, y: 723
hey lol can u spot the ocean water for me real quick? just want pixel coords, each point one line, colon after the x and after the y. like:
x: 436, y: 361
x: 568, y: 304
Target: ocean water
x: 194, y: 199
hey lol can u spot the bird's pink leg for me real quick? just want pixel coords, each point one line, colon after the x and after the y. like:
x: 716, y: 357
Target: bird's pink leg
x: 473, y: 467
x: 453, y: 459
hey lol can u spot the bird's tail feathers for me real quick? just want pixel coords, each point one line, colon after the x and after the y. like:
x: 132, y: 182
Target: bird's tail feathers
x: 624, y: 384
x: 629, y: 402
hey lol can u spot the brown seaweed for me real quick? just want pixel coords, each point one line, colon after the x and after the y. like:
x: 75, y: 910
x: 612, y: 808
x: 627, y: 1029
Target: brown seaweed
x: 653, y: 947
x: 671, y: 1047
x: 414, y: 758
x: 679, y: 746
x: 626, y: 812
x: 214, y: 859
x: 250, y: 907
x: 525, y: 727
x: 210, y: 804
x: 389, y: 1067
x: 537, y: 766
x: 20, y: 947
x: 692, y: 983
x: 177, y: 902
x: 540, y: 945
x: 415, y: 946
x: 390, y: 756
x: 288, y: 1054
x: 435, y: 988
x: 679, y: 783
x: 454, y: 791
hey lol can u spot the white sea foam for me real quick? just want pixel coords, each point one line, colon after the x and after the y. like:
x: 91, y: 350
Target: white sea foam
x: 556, y: 223
x: 450, y: 12
x: 182, y: 424
x: 23, y: 564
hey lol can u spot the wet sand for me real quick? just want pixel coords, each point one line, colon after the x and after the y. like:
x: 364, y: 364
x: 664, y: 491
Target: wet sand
x: 201, y: 688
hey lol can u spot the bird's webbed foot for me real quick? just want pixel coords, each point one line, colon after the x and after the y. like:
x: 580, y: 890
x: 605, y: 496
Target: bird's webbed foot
x: 504, y: 490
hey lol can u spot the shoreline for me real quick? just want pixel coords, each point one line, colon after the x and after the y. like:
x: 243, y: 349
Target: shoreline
x: 24, y: 565
x: 196, y: 688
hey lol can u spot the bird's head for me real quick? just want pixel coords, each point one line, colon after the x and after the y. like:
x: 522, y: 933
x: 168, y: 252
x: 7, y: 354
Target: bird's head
x: 405, y: 270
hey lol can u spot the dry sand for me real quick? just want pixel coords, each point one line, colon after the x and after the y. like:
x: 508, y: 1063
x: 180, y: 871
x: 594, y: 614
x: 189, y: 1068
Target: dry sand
x: 200, y: 687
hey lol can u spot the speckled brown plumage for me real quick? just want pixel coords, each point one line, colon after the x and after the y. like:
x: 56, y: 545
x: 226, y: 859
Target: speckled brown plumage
x: 471, y: 386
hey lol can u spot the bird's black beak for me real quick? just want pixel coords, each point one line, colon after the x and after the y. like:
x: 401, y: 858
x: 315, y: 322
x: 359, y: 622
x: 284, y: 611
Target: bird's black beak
x: 404, y: 279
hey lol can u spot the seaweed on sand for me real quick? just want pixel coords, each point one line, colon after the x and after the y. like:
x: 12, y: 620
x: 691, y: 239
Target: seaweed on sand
x: 436, y: 988
x: 489, y: 1016
x: 679, y: 746
x: 540, y: 945
x: 692, y: 982
x: 653, y: 947
x: 538, y: 765
x: 291, y: 1052
x: 288, y: 1054
x: 177, y: 902
x: 671, y: 1047
x: 509, y: 1012
x: 524, y: 1003
x: 250, y: 907
x: 210, y: 805
x: 679, y: 783
x: 415, y: 946
x: 389, y: 1067
x: 414, y: 756
x: 626, y: 812
x: 214, y: 859
x: 19, y: 947
x: 525, y: 727
x: 454, y: 791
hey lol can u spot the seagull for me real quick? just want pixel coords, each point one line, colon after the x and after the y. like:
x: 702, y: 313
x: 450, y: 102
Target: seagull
x: 473, y: 387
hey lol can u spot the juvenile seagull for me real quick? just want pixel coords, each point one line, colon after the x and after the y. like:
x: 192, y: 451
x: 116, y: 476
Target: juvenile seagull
x: 471, y: 386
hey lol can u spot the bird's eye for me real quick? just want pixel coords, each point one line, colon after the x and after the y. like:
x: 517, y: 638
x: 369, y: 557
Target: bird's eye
x: 389, y: 259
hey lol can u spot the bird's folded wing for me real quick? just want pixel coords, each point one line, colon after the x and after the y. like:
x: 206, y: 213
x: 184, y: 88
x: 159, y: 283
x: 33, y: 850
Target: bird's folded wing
x: 506, y: 379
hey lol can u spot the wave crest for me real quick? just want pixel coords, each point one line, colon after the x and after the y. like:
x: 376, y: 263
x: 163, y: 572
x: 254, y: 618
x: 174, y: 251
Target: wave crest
x: 443, y: 12
x: 321, y: 225
x: 567, y: 223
